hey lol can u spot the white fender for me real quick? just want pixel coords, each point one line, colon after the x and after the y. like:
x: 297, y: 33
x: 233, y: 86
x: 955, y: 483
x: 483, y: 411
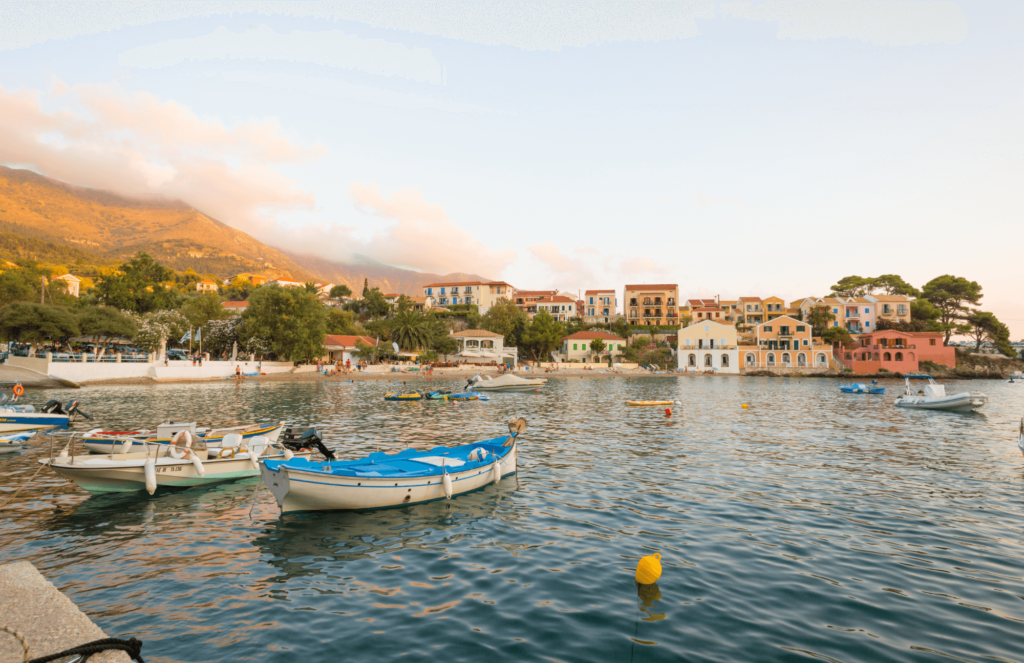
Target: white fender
x: 199, y: 465
x: 496, y: 471
x: 446, y: 482
x: 173, y: 451
x: 149, y: 468
x: 288, y: 455
x: 126, y: 446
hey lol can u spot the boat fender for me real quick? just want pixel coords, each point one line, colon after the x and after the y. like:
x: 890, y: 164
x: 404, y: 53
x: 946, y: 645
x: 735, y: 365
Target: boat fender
x: 198, y: 463
x: 496, y: 471
x: 446, y: 483
x: 149, y: 469
x: 174, y: 450
x: 126, y: 446
x: 288, y: 455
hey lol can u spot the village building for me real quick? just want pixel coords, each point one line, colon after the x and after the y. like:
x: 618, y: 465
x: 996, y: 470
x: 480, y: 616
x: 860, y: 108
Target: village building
x: 655, y: 304
x: 482, y: 294
x: 206, y: 285
x: 774, y: 307
x: 343, y: 348
x: 560, y: 307
x: 527, y: 300
x: 235, y: 307
x: 72, y: 281
x: 894, y: 308
x: 600, y: 305
x: 579, y: 347
x: 897, y: 352
x: 479, y: 346
x: 785, y: 343
x: 750, y: 312
x: 708, y: 346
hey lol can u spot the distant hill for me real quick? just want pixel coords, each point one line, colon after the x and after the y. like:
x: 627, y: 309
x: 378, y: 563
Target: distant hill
x: 99, y: 228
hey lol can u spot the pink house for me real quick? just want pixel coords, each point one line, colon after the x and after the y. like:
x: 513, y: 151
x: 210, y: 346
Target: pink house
x: 896, y: 351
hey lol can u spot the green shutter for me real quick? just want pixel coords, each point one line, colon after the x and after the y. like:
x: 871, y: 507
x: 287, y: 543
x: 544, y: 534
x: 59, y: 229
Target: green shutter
x: 573, y: 346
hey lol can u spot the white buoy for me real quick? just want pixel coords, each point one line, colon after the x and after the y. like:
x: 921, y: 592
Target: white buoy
x: 288, y: 455
x: 496, y: 471
x: 149, y: 468
x: 446, y: 482
x: 199, y: 465
x: 126, y: 446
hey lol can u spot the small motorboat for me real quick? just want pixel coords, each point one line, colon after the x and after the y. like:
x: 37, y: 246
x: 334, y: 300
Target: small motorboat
x: 1020, y: 436
x: 507, y: 382
x: 186, y: 462
x: 386, y: 480
x: 105, y: 441
x: 932, y: 396
x: 644, y: 403
x: 403, y: 396
x: 861, y: 388
x: 1016, y: 376
x: 15, y: 418
x: 14, y: 442
x: 443, y: 395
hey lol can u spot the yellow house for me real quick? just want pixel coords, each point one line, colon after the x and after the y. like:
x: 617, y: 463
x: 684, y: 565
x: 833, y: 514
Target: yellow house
x: 785, y: 342
x: 708, y: 346
x: 774, y: 307
x: 652, y: 304
x: 895, y: 308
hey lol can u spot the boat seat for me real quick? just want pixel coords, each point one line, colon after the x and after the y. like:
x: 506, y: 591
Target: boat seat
x: 232, y: 440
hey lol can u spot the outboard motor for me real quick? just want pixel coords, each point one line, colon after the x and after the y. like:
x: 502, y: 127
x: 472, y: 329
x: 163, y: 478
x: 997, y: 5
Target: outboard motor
x: 53, y: 407
x: 297, y: 439
x: 73, y: 411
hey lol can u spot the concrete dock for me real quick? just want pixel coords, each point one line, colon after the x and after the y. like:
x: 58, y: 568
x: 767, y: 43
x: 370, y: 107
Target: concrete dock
x: 47, y: 619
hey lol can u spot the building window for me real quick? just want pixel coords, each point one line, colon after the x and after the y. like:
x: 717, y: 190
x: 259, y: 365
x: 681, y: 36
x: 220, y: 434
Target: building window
x: 707, y: 328
x: 750, y: 359
x: 836, y: 311
x: 801, y: 328
x: 785, y: 359
x: 689, y: 342
x: 899, y: 356
x: 574, y: 346
x: 771, y: 358
x: 430, y: 292
x: 721, y: 343
x: 767, y: 328
x: 583, y: 347
x: 835, y: 324
x: 801, y: 359
x: 707, y: 361
x: 931, y: 341
x: 822, y: 361
x: 691, y: 360
x: 887, y: 357
x: 725, y: 361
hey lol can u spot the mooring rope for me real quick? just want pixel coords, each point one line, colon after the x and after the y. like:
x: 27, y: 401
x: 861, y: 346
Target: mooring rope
x: 11, y: 498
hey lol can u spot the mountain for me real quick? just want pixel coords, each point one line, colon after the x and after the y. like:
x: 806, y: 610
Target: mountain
x: 103, y: 228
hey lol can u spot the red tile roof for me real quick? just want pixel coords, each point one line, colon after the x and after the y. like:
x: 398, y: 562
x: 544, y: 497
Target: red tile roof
x: 654, y: 286
x: 591, y: 335
x: 347, y: 341
x: 750, y: 299
x: 597, y: 292
x: 235, y: 304
x: 557, y: 299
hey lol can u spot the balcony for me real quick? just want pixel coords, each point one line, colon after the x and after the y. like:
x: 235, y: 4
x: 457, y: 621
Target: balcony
x: 671, y: 302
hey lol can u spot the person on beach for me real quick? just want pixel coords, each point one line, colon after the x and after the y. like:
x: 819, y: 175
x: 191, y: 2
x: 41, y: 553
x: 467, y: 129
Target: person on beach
x: 193, y: 361
x: 238, y: 372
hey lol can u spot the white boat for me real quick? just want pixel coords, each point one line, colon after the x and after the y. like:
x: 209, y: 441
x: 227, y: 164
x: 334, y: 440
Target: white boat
x: 185, y: 463
x: 16, y: 418
x: 1020, y: 436
x: 1016, y: 376
x: 507, y: 382
x: 932, y: 396
x: 105, y: 442
x: 383, y: 480
x: 13, y: 442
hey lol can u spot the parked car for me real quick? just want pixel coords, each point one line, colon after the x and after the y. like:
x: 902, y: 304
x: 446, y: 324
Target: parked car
x: 177, y: 354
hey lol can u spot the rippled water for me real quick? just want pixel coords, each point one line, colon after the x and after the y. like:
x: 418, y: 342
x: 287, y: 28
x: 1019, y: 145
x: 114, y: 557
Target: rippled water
x: 813, y: 525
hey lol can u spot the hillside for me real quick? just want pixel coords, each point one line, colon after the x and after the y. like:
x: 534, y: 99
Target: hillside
x: 63, y: 223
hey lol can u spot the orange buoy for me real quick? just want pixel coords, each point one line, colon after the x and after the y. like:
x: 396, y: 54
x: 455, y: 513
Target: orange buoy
x: 648, y: 569
x: 668, y: 412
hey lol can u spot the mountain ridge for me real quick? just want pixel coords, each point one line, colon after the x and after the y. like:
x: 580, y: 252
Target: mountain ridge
x: 115, y: 227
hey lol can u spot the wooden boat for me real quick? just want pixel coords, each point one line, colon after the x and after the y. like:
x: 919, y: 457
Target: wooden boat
x: 186, y: 463
x: 383, y: 480
x: 443, y: 395
x: 105, y: 442
x: 403, y: 396
x: 861, y: 388
x: 933, y: 397
x: 507, y: 382
x: 644, y: 403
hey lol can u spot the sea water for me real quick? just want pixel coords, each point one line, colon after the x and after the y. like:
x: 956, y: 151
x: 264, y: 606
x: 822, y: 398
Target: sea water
x: 812, y: 525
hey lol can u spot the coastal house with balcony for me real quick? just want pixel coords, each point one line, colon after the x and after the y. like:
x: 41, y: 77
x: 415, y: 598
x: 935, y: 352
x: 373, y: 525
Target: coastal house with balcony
x: 206, y: 285
x: 527, y: 300
x: 785, y: 343
x: 708, y: 346
x: 579, y: 347
x: 896, y: 351
x: 652, y: 304
x: 894, y: 308
x: 774, y: 307
x: 750, y: 312
x: 560, y: 307
x: 600, y: 305
x: 73, y: 283
x: 483, y: 294
x: 479, y: 346
x: 343, y: 348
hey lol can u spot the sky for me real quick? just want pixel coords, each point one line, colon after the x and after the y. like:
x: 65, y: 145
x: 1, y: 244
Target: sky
x: 734, y: 148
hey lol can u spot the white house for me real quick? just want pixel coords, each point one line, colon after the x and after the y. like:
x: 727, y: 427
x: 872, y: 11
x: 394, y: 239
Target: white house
x: 206, y: 285
x: 342, y: 348
x: 560, y: 307
x: 72, y: 283
x: 708, y: 346
x: 479, y: 346
x: 285, y: 283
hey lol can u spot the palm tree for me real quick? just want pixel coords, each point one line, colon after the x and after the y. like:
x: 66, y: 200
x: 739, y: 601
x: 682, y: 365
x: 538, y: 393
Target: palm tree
x: 410, y: 330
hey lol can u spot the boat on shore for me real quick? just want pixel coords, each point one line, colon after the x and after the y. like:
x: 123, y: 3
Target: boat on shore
x: 105, y: 442
x: 861, y: 388
x: 16, y: 418
x: 932, y: 396
x: 383, y: 480
x: 444, y: 395
x: 184, y: 463
x: 507, y: 382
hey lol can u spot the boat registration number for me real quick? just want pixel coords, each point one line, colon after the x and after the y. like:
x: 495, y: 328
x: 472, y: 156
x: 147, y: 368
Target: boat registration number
x: 172, y: 468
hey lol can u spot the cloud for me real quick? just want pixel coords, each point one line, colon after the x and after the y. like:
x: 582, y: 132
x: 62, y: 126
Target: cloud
x: 423, y: 236
x: 136, y: 145
x: 560, y: 264
x: 888, y: 22
x: 588, y: 268
x: 328, y: 48
x: 549, y: 26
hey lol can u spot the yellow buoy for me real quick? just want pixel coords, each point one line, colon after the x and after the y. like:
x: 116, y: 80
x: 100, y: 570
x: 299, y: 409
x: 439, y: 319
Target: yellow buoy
x: 648, y: 570
x: 744, y: 406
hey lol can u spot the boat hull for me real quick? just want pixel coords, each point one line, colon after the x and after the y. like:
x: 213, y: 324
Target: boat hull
x: 13, y: 422
x: 113, y: 444
x: 955, y: 403
x: 170, y: 473
x: 297, y: 490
